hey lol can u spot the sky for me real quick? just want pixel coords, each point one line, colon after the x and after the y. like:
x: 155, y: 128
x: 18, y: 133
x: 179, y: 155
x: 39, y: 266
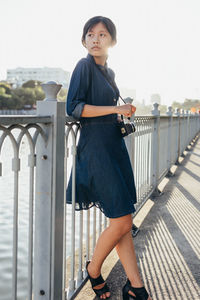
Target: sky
x: 158, y: 41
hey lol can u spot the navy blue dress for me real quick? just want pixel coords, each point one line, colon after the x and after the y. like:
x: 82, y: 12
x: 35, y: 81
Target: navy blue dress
x: 104, y: 175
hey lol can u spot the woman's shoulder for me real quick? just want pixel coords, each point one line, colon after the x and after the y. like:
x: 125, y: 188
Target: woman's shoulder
x: 83, y: 63
x: 111, y: 73
x: 82, y: 69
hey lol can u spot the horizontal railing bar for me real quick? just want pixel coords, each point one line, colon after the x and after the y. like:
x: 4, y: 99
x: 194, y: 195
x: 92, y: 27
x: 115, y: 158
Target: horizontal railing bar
x: 11, y: 120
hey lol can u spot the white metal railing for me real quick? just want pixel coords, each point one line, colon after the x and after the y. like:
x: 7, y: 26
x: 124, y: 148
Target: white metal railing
x: 59, y: 239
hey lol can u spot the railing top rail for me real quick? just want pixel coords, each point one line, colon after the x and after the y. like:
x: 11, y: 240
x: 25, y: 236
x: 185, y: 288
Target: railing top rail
x: 31, y: 119
x: 71, y: 119
x: 145, y: 116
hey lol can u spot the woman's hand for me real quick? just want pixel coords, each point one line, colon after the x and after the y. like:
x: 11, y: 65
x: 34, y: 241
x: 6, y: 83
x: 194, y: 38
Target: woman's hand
x: 126, y: 110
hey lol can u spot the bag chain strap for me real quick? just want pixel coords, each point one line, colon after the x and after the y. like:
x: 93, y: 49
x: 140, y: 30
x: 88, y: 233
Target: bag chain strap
x: 109, y: 79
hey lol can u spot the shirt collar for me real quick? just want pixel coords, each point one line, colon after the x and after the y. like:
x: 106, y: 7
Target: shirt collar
x: 91, y: 58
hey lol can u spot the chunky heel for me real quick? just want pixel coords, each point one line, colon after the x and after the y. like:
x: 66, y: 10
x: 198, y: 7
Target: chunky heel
x: 96, y: 281
x: 140, y: 293
x: 125, y: 295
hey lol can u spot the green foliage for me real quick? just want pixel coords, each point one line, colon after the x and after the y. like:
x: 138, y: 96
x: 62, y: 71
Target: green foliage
x: 7, y: 88
x: 2, y: 91
x: 39, y: 93
x: 20, y: 97
x: 31, y: 84
x: 187, y: 104
x: 62, y: 95
x: 28, y: 94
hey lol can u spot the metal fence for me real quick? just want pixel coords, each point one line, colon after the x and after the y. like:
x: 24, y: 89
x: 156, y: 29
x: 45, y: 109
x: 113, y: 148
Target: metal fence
x: 61, y: 240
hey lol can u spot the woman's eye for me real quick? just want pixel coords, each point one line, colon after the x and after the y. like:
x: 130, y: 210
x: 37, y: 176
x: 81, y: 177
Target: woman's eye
x: 102, y: 34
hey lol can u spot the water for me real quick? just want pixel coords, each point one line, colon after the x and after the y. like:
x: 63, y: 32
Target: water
x: 6, y: 221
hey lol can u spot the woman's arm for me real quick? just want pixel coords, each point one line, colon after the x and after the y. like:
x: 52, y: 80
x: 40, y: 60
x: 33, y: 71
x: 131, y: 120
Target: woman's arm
x: 94, y: 111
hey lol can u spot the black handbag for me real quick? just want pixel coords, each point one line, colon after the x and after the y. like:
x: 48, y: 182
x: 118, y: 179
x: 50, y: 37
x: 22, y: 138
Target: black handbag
x: 126, y: 128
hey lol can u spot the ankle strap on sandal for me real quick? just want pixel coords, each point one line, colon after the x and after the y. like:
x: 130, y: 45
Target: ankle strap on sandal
x: 141, y: 292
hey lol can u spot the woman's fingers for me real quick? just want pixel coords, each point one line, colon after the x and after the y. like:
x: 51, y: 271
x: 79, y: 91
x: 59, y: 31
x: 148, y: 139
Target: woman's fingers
x: 133, y: 109
x: 127, y: 109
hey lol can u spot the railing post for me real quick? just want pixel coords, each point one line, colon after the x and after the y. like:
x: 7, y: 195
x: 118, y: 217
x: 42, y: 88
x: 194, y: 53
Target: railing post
x: 155, y: 149
x: 49, y: 200
x: 177, y: 113
x: 130, y: 143
x: 182, y: 132
x: 130, y: 140
x: 187, y: 128
x: 169, y: 142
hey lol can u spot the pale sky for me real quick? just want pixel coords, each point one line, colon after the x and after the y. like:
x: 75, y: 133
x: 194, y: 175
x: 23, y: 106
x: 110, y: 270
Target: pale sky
x: 158, y: 49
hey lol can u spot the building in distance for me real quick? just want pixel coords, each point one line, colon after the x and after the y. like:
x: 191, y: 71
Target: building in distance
x: 18, y: 76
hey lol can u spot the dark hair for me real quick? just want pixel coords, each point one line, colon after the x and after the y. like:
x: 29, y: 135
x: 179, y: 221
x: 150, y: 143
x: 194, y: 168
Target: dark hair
x: 110, y: 26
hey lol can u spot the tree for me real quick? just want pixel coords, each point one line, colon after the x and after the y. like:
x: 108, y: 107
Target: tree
x: 7, y: 88
x: 187, y: 104
x: 31, y: 84
x: 39, y: 93
x: 26, y: 96
x: 62, y: 95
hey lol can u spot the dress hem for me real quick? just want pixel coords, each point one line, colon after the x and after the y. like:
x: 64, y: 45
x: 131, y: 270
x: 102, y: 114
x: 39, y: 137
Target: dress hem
x: 111, y: 217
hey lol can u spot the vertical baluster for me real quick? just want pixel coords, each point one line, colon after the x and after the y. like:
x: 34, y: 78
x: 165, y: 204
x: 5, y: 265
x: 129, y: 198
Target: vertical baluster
x: 15, y: 168
x: 100, y: 222
x: 105, y: 222
x: 88, y: 236
x: 148, y: 156
x: 80, y: 250
x: 72, y: 261
x: 31, y: 164
x: 169, y: 139
x: 65, y: 214
x: 136, y: 159
x: 177, y: 113
x: 94, y: 229
x: 156, y: 151
x: 146, y: 145
x: 140, y: 161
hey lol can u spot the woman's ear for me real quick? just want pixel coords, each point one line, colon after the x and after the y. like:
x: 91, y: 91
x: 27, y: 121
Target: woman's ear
x: 113, y: 43
x: 84, y: 44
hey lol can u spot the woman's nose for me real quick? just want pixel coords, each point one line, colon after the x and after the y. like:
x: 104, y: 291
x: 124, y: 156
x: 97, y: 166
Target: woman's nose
x: 96, y: 39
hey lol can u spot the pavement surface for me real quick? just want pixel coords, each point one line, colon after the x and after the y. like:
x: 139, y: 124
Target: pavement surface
x: 168, y: 243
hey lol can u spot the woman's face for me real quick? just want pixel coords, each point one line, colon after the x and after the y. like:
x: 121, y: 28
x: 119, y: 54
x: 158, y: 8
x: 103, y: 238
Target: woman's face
x: 98, y: 40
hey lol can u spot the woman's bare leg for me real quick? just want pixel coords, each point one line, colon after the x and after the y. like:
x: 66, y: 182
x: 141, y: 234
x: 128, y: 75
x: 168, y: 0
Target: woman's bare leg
x: 109, y: 238
x: 126, y: 252
x: 117, y: 234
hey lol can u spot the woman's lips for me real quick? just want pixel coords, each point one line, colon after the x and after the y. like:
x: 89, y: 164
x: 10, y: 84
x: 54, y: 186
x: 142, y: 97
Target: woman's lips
x: 96, y: 48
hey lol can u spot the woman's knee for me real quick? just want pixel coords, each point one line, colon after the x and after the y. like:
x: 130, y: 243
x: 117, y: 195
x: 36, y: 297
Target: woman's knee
x: 121, y: 225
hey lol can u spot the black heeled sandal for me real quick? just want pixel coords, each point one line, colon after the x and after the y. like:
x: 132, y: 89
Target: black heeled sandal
x: 97, y: 281
x: 140, y: 293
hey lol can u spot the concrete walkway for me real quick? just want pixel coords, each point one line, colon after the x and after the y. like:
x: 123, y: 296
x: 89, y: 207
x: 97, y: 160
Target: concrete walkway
x: 168, y: 244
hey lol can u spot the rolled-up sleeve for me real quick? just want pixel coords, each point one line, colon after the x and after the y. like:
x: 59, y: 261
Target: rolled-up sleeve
x: 78, y: 89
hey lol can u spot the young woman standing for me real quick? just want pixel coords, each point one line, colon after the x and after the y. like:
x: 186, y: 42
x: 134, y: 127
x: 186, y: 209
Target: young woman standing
x: 104, y: 175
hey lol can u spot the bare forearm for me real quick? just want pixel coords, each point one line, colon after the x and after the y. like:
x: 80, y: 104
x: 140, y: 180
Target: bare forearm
x: 95, y: 111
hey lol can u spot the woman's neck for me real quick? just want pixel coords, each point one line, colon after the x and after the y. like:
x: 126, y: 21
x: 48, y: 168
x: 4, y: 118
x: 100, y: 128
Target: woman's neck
x: 100, y: 60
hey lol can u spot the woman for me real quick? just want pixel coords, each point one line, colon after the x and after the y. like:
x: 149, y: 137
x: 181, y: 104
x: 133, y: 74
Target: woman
x: 104, y: 176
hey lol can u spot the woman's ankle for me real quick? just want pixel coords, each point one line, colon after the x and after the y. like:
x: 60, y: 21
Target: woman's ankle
x: 136, y: 283
x: 94, y: 272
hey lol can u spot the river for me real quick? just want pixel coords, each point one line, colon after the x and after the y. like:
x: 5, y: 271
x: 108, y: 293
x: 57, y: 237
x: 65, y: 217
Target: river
x: 6, y: 222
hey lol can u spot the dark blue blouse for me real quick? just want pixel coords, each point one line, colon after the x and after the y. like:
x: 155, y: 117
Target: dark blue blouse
x: 89, y: 86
